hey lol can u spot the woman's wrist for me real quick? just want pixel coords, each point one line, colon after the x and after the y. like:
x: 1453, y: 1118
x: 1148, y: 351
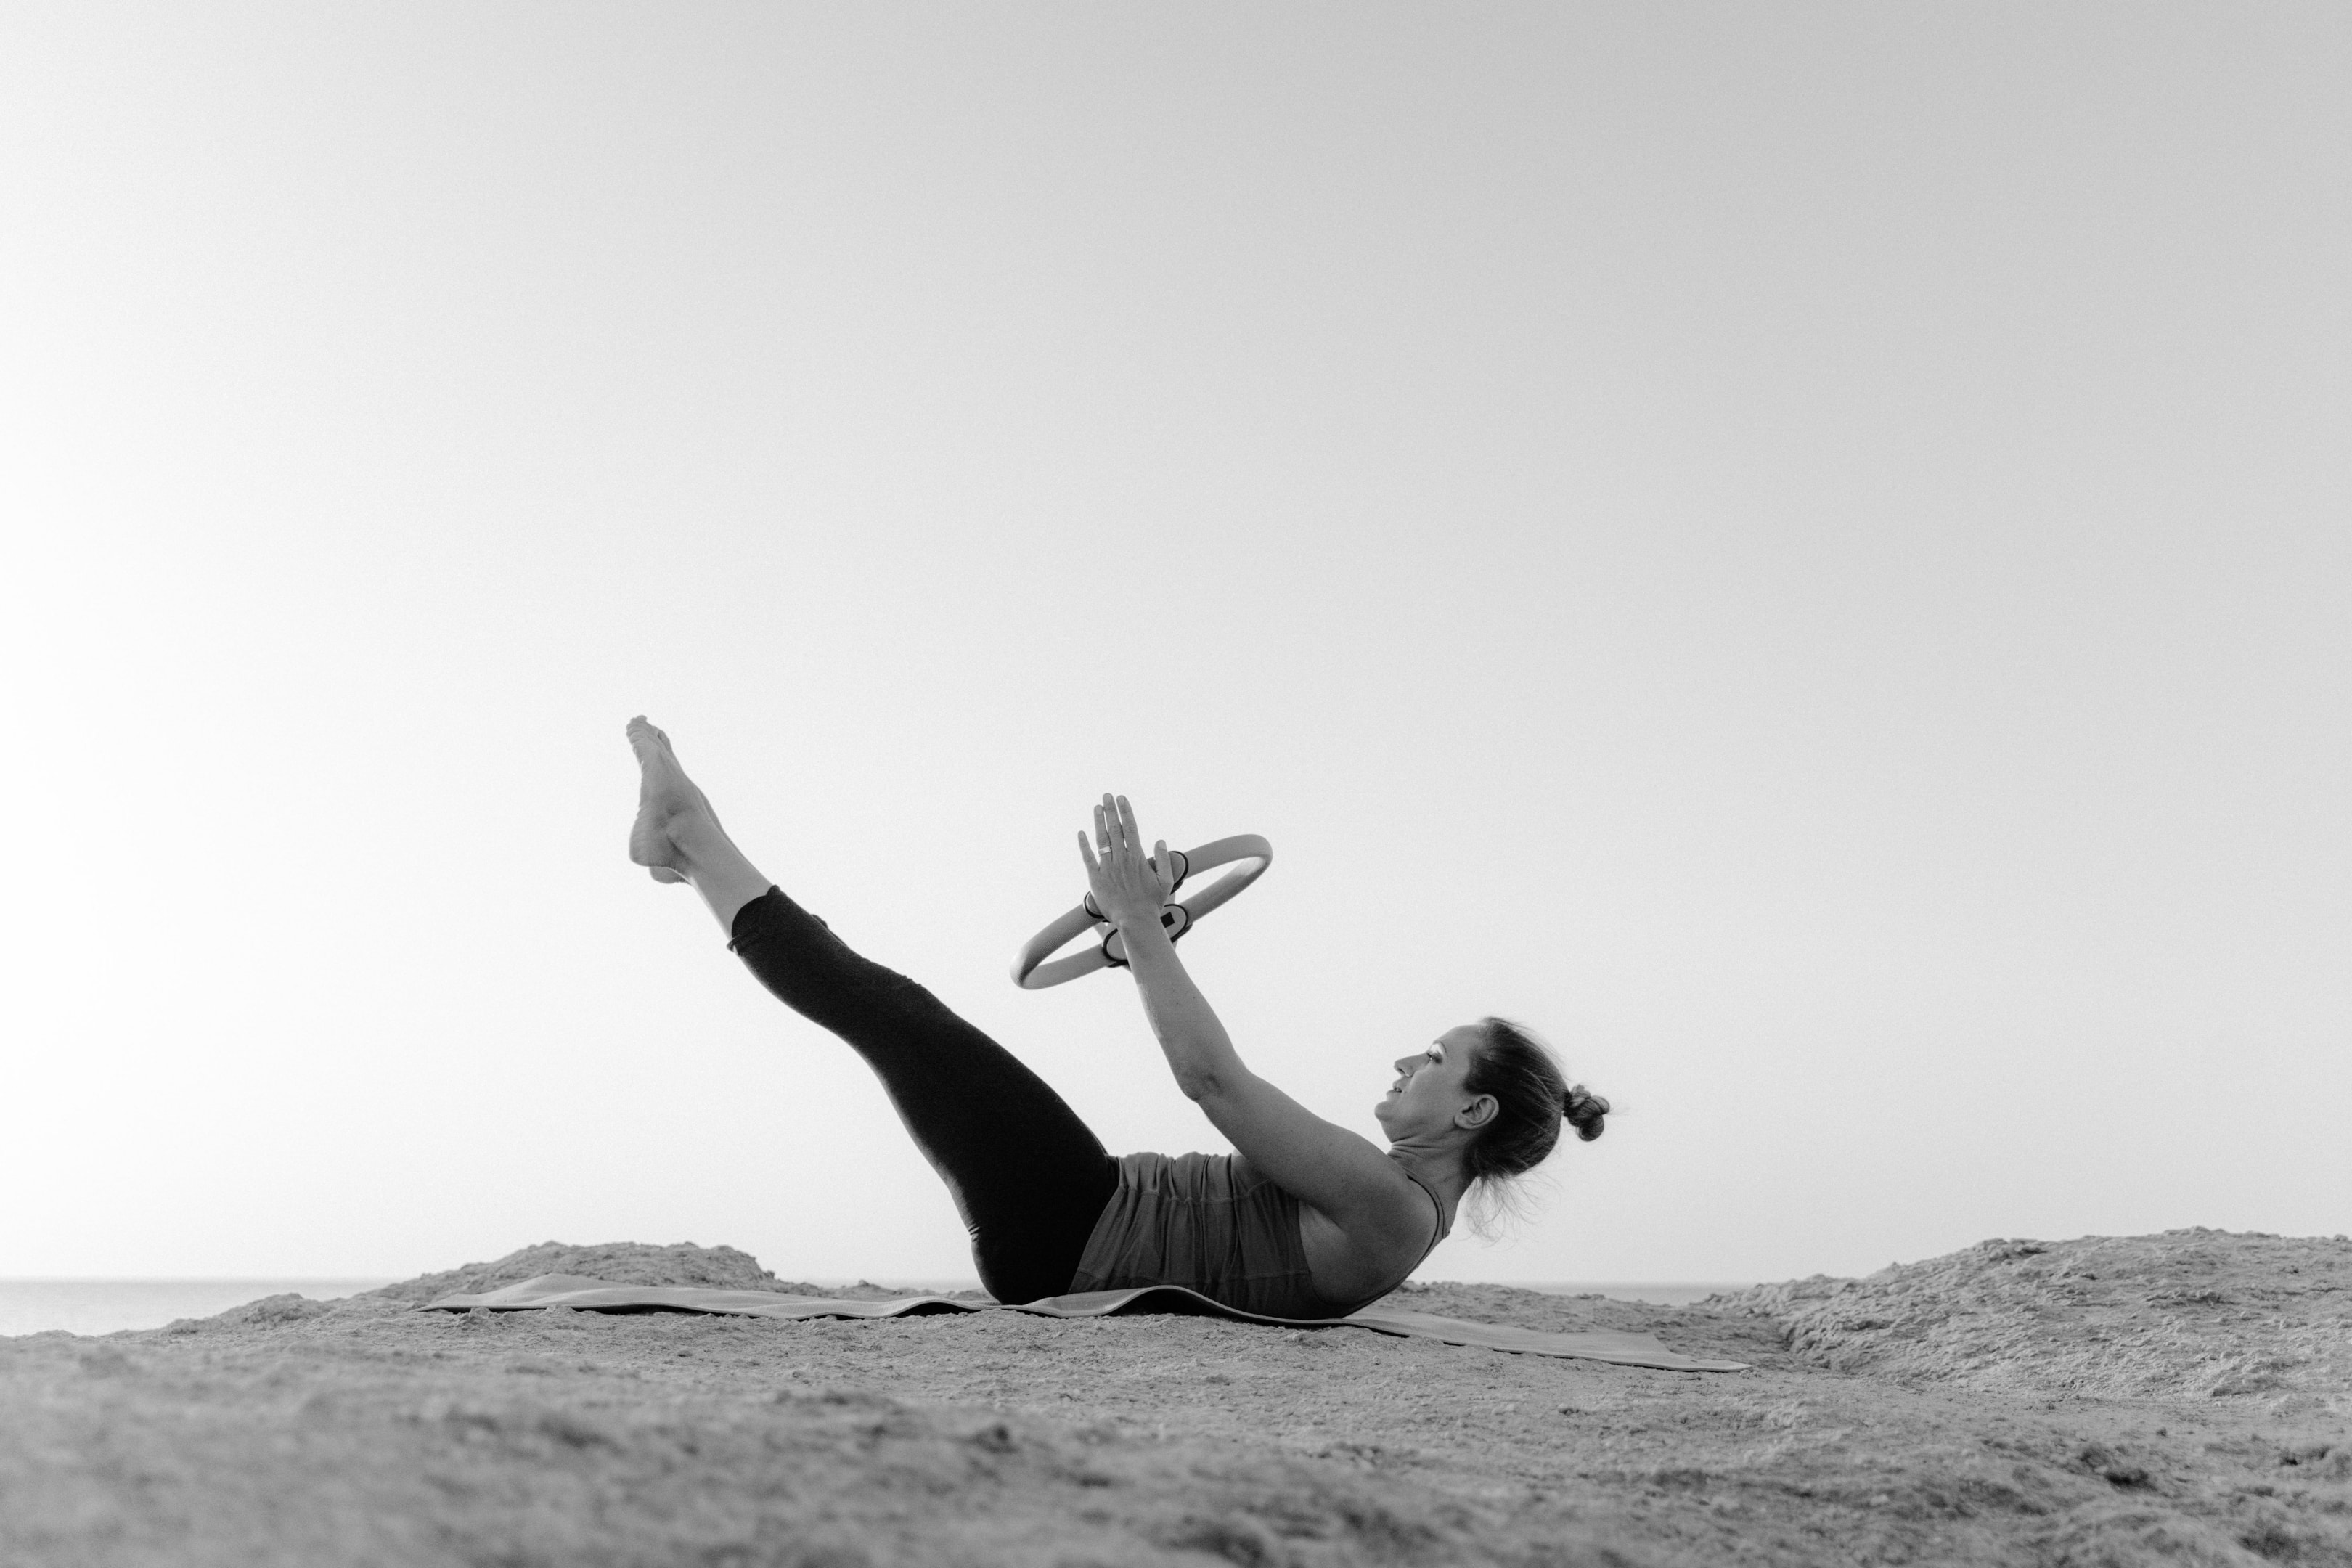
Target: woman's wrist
x: 1137, y: 922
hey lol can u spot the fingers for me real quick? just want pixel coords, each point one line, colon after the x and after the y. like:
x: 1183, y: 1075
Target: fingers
x: 1086, y: 852
x: 1116, y: 834
x: 1115, y: 825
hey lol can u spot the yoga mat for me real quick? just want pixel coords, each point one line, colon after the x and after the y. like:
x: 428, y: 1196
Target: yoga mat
x: 600, y: 1296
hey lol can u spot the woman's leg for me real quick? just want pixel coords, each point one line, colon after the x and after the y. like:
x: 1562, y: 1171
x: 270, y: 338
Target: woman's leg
x: 1028, y: 1177
x: 1026, y: 1174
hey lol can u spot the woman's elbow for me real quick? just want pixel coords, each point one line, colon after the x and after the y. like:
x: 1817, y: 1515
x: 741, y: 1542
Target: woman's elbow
x: 1198, y: 1085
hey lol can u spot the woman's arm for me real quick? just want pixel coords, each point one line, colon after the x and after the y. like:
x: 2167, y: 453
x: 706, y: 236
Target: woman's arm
x: 1199, y: 1051
x: 1344, y: 1175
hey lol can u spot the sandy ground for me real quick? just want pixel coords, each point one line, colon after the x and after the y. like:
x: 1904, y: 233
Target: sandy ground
x: 2184, y: 1398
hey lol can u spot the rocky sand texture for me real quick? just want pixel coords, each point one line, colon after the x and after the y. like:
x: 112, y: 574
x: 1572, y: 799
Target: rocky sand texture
x: 2179, y: 1399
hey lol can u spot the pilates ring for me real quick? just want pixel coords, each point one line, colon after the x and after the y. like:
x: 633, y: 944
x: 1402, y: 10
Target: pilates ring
x: 1036, y: 968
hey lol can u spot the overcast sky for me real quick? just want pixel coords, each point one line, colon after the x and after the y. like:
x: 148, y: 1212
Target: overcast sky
x: 1804, y: 552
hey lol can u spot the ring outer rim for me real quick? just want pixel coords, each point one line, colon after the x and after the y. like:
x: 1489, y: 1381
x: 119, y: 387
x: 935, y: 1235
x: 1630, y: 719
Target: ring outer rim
x: 1034, y: 968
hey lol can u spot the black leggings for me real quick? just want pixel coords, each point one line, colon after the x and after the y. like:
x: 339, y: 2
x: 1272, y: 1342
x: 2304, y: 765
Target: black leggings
x: 1027, y: 1176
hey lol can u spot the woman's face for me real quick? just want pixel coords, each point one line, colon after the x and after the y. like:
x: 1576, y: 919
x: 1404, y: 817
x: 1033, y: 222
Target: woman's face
x: 1429, y: 1090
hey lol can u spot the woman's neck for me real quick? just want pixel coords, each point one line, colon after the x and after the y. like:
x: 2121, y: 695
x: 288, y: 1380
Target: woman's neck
x: 1438, y: 1170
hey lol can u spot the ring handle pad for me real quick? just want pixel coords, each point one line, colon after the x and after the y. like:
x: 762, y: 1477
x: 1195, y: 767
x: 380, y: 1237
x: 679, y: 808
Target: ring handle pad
x: 1034, y: 968
x: 1174, y: 918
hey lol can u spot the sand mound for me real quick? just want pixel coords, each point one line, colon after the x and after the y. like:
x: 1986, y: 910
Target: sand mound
x: 2201, y: 1312
x: 622, y: 1262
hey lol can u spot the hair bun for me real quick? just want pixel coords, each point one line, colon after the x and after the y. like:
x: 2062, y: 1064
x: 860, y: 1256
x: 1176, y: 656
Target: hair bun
x: 1583, y: 1110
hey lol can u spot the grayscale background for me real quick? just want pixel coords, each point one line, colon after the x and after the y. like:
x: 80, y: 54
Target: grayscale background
x: 1802, y: 551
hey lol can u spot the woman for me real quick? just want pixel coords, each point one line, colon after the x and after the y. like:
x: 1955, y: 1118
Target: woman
x: 1307, y: 1220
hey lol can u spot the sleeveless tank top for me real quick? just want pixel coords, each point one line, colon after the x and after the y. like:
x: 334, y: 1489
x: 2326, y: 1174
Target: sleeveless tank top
x: 1218, y: 1224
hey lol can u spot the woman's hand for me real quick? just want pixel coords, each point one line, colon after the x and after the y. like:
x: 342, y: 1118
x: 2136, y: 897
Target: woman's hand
x: 1126, y: 885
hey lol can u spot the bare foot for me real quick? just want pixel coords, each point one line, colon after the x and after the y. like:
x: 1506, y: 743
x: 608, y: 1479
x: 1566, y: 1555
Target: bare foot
x: 674, y: 816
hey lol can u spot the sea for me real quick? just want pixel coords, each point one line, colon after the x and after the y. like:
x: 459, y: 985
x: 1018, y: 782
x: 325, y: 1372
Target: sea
x: 108, y: 1306
x: 111, y: 1306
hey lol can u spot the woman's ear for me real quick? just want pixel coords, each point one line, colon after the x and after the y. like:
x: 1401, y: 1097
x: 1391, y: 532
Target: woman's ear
x: 1477, y: 1113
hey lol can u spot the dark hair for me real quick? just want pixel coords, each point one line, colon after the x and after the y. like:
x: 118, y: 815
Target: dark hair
x: 1532, y: 1099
